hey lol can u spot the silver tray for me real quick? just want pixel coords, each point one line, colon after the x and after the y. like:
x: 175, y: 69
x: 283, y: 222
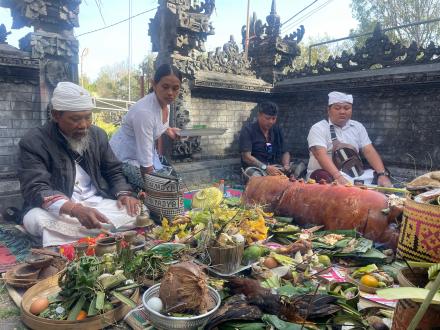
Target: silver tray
x: 188, y: 132
x: 220, y: 274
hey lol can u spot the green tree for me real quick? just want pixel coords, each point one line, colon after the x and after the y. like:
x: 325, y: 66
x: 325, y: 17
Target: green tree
x: 318, y: 53
x: 112, y: 82
x: 391, y: 13
x: 147, y: 68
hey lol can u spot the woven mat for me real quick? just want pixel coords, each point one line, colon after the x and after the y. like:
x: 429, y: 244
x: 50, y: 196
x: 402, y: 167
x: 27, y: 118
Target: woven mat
x: 15, y: 245
x: 137, y: 319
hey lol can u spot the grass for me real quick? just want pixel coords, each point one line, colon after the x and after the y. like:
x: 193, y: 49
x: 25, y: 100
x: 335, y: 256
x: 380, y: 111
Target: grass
x: 7, y: 308
x: 8, y: 312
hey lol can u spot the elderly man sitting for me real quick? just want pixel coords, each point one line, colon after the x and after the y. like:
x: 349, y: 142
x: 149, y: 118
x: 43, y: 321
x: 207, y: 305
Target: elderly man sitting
x: 339, y: 139
x: 71, y: 181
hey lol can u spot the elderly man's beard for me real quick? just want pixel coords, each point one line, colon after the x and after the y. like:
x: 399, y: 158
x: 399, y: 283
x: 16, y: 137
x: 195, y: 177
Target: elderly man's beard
x: 79, y: 145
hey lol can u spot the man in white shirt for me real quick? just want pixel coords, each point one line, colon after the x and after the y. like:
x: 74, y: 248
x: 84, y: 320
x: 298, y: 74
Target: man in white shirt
x: 71, y: 181
x: 321, y: 165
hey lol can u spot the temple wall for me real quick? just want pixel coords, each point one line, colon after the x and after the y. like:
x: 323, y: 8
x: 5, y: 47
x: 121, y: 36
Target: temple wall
x: 20, y: 110
x: 232, y: 114
x: 400, y: 110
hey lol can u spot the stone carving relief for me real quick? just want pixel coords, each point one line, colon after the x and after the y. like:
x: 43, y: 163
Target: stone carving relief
x: 378, y: 52
x: 43, y: 44
x: 183, y: 149
x: 56, y: 71
x: 272, y: 55
x: 225, y: 60
x: 3, y: 34
x: 182, y: 26
x: 45, y: 15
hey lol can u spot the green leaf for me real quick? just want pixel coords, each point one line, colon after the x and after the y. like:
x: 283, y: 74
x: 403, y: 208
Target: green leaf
x: 124, y: 299
x: 234, y: 325
x: 289, y: 290
x: 416, y: 294
x: 92, y: 307
x: 100, y: 297
x: 364, y: 270
x: 280, y: 324
x: 76, y: 309
x: 433, y: 271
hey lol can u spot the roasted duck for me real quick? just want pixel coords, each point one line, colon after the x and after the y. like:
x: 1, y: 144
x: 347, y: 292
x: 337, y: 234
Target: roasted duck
x: 332, y: 205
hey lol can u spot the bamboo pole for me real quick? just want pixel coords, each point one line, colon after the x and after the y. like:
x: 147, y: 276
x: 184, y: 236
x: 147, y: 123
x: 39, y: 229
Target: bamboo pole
x: 246, y: 42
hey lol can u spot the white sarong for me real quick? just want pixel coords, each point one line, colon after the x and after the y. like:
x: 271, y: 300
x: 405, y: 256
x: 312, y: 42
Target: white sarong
x: 63, y: 229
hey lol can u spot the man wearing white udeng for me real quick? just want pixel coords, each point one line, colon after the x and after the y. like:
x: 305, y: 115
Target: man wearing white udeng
x: 71, y: 181
x: 341, y: 128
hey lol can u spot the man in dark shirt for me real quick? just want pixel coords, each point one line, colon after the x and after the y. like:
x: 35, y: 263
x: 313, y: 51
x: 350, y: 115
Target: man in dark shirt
x: 262, y: 143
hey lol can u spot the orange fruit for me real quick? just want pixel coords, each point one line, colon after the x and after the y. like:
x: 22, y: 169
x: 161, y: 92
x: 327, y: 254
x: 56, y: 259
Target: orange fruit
x: 81, y: 315
x: 369, y: 280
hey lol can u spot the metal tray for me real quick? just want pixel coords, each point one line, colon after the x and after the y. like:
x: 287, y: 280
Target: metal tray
x: 189, y: 132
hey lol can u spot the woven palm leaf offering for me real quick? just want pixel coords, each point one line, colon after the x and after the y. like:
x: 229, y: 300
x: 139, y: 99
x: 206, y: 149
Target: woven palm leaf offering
x: 207, y: 198
x: 88, y: 287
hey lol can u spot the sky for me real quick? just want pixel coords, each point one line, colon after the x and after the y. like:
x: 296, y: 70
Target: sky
x: 331, y: 18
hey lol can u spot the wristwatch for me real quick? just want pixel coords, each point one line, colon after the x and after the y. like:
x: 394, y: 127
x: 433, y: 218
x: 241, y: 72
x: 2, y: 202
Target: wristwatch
x: 385, y: 172
x: 263, y: 167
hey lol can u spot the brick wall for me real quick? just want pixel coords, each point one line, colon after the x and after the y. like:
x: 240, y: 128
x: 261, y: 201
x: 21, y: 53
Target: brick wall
x: 20, y: 109
x: 402, y: 122
x: 219, y: 112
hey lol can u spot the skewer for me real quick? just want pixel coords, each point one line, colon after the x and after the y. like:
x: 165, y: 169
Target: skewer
x: 387, y: 189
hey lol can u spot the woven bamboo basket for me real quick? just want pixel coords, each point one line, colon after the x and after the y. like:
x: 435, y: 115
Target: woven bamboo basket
x: 50, y: 286
x: 164, y: 196
x: 406, y: 309
x: 226, y: 259
x: 419, y: 237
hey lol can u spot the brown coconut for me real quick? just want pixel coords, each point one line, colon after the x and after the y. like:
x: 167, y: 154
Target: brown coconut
x: 184, y: 289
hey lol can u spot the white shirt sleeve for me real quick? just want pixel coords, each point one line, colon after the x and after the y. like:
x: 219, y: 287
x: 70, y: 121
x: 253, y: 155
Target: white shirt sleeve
x: 143, y: 127
x: 55, y: 207
x: 317, y: 136
x: 364, y: 139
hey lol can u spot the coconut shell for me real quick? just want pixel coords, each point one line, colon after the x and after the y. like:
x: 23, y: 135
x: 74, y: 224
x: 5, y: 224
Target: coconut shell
x: 184, y: 289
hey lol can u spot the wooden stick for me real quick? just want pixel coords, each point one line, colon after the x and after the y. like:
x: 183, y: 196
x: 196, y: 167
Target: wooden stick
x: 387, y: 189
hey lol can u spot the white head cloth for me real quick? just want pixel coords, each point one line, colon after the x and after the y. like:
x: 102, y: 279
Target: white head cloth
x: 338, y: 97
x: 68, y: 96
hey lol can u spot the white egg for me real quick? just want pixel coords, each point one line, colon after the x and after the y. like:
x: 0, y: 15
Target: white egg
x: 155, y: 303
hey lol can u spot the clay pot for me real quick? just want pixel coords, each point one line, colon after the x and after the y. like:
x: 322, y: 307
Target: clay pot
x: 143, y: 220
x: 105, y: 245
x: 39, y: 261
x: 80, y: 249
x: 129, y: 236
x: 26, y: 272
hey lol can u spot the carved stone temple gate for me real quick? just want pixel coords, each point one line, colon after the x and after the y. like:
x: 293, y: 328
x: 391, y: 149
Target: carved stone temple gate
x: 395, y: 88
x: 28, y: 76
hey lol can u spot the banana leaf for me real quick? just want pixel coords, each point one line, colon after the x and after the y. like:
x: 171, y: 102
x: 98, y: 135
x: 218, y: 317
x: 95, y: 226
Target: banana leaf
x: 278, y: 324
x: 289, y: 290
x: 346, y: 232
x: 234, y: 325
x: 416, y: 294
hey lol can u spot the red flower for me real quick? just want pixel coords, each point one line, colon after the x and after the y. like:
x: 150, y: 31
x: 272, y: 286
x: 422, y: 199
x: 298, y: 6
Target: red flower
x: 68, y: 251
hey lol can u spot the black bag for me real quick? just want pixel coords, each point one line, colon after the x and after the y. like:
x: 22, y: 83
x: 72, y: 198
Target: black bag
x: 345, y: 157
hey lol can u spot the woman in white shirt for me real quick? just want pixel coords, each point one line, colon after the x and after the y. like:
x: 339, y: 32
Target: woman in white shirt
x: 146, y: 120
